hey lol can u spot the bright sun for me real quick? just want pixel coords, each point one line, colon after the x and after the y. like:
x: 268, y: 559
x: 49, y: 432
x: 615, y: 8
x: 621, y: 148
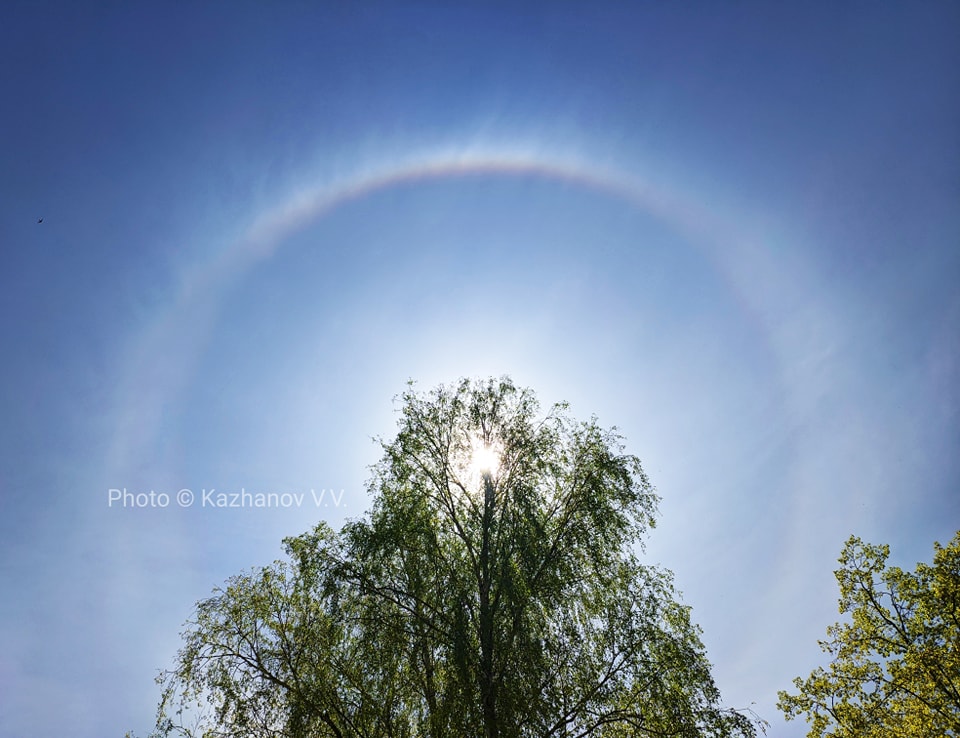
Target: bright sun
x: 484, y: 458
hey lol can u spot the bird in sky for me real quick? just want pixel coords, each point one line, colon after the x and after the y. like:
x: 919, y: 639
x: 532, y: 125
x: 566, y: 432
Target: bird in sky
x: 39, y: 220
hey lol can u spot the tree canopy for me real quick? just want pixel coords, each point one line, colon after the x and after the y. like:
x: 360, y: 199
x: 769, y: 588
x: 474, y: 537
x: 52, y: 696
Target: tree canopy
x: 493, y: 589
x: 895, y: 663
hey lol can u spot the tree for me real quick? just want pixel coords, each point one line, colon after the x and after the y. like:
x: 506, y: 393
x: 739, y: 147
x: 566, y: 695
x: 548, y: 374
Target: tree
x: 494, y: 589
x: 895, y: 665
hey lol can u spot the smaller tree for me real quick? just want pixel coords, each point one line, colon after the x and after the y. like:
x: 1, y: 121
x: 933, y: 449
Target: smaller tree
x: 895, y: 666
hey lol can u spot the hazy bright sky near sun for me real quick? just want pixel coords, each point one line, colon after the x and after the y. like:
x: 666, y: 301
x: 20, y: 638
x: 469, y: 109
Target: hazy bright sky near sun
x: 731, y: 230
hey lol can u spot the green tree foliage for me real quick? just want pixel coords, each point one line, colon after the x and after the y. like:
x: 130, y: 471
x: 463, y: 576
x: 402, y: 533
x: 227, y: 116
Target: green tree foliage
x: 500, y: 598
x: 895, y: 664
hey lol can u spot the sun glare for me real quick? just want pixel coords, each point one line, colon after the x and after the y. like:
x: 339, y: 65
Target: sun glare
x: 484, y: 458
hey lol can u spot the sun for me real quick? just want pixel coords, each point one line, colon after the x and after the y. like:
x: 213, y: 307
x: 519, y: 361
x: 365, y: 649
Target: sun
x: 484, y: 458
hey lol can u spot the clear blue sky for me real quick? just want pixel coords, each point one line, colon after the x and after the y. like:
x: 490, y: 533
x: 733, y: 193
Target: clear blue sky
x: 732, y: 232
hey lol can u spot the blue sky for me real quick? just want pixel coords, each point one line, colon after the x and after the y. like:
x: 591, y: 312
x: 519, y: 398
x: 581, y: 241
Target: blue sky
x: 733, y: 233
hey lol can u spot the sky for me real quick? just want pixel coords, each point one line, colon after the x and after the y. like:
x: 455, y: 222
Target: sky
x: 732, y: 232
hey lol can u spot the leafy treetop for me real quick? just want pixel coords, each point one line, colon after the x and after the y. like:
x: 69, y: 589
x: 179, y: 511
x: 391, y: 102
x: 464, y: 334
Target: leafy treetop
x: 502, y: 598
x: 895, y: 663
